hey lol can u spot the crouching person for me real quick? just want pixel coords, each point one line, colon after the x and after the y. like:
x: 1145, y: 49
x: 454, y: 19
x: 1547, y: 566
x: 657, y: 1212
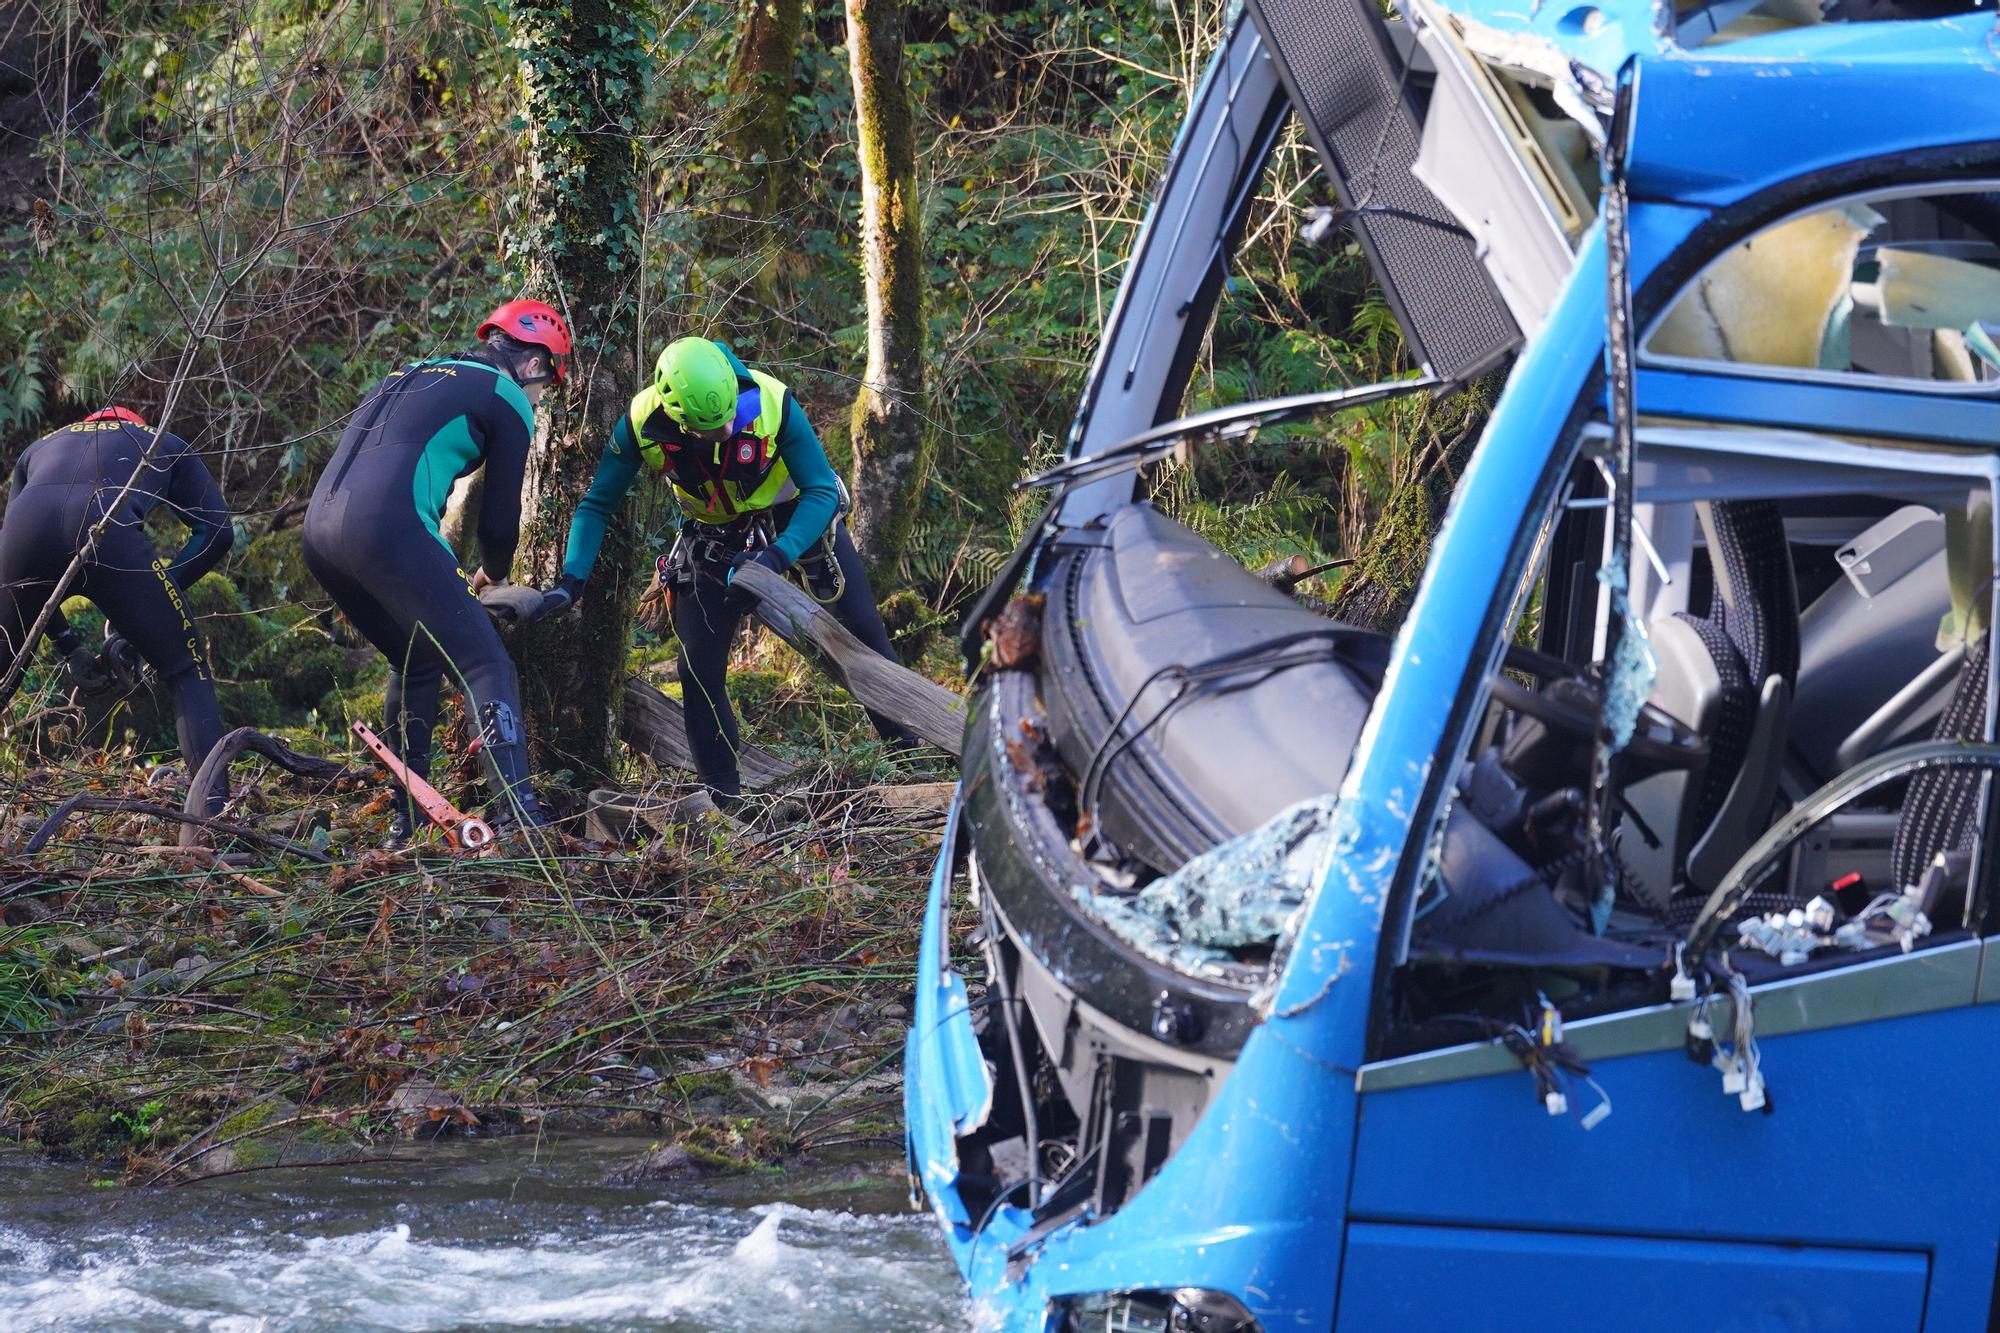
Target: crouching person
x: 75, y: 480
x: 372, y: 538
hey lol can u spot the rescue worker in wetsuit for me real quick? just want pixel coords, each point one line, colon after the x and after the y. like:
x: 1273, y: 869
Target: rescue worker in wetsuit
x: 372, y: 538
x: 67, y: 483
x: 753, y: 485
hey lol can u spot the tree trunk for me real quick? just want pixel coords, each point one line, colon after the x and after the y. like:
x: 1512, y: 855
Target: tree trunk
x: 887, y: 420
x: 758, y: 132
x: 584, y: 72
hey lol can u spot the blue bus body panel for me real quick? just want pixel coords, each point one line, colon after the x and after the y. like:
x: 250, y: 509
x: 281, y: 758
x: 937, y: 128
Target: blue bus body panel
x: 1715, y: 127
x: 1871, y: 1144
x: 1257, y: 1201
x: 947, y: 1088
x: 1422, y: 1277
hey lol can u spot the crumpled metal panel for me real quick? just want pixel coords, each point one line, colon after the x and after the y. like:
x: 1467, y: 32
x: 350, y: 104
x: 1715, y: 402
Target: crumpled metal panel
x: 948, y: 1089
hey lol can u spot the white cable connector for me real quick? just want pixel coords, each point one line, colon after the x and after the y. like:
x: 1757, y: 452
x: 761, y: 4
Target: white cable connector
x: 1681, y: 988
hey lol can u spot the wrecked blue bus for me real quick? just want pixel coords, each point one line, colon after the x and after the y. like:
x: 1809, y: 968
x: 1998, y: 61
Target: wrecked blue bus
x: 1606, y: 947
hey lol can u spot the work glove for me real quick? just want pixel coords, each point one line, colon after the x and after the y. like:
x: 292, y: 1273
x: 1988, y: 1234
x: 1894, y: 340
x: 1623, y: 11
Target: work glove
x: 527, y: 605
x: 561, y: 597
x: 86, y: 673
x: 510, y: 602
x: 770, y: 557
x: 120, y: 659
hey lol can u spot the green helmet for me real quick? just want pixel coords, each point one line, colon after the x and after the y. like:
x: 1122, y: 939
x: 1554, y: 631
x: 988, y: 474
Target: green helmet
x: 696, y: 383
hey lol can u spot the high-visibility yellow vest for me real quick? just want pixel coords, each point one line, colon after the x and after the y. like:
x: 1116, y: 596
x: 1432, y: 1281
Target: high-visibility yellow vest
x: 722, y: 482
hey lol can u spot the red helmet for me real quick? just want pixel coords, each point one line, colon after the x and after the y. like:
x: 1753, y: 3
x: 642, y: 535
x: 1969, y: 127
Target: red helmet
x: 124, y: 414
x: 534, y: 322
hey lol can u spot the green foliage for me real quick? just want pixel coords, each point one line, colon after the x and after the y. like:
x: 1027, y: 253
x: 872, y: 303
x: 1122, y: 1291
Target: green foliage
x: 141, y: 1121
x: 364, y: 181
x: 231, y: 629
x: 21, y: 390
x: 304, y: 185
x: 272, y: 569
x: 25, y: 1000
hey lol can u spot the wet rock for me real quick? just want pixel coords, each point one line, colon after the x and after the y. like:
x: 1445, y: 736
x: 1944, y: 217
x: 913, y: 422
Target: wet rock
x: 422, y: 1108
x: 258, y: 1135
x: 896, y: 1011
x: 668, y: 1161
x: 22, y: 911
x: 77, y: 948
x: 146, y: 980
x: 191, y: 971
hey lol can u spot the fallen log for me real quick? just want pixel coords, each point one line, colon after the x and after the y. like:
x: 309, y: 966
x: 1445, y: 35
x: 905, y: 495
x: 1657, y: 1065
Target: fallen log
x: 922, y: 705
x: 225, y: 752
x: 655, y: 726
x: 110, y: 804
x: 929, y: 797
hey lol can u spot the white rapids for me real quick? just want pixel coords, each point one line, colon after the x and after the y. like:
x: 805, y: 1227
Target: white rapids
x: 458, y: 1262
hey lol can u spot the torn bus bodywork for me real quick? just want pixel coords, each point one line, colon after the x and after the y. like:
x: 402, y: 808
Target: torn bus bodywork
x: 1312, y: 961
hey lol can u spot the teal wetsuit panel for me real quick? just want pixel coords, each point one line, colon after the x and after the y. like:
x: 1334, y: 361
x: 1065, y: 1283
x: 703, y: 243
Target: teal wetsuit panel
x: 616, y: 470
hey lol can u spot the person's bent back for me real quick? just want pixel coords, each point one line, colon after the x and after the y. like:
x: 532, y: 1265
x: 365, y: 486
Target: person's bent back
x: 372, y: 535
x: 88, y: 488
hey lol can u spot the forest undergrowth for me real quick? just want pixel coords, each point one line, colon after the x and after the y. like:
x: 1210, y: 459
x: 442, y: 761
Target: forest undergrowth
x: 738, y: 990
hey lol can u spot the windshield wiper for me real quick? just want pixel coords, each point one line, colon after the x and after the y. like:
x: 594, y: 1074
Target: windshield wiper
x: 1223, y: 423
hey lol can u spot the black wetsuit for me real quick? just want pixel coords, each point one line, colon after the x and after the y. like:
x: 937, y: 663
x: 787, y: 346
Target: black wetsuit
x: 372, y: 540
x: 706, y: 616
x: 63, y: 484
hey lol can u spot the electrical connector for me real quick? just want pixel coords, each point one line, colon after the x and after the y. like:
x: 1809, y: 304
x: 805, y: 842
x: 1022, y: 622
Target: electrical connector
x: 1556, y: 1102
x: 1681, y: 988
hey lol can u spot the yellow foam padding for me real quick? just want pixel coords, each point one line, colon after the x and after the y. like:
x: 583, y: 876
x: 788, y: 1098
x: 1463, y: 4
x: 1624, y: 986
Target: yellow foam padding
x: 1767, y: 302
x: 1925, y: 291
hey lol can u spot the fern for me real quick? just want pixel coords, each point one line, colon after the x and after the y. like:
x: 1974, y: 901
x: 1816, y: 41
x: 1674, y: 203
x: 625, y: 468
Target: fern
x: 22, y: 396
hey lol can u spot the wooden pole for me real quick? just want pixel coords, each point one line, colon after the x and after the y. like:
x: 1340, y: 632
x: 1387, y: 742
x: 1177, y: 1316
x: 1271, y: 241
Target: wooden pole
x: 654, y: 725
x: 922, y: 705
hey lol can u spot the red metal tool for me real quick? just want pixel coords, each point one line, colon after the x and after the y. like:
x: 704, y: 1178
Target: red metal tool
x: 468, y: 832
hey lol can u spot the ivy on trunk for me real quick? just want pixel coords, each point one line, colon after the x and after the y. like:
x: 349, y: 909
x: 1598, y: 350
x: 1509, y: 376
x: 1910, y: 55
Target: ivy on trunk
x: 583, y: 71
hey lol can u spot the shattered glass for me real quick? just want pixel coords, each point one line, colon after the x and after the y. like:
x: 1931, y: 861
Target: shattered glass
x: 1242, y: 894
x: 1633, y: 665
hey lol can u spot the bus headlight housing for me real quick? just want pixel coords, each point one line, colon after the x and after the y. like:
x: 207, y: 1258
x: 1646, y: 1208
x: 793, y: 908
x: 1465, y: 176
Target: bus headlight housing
x: 1180, y: 1310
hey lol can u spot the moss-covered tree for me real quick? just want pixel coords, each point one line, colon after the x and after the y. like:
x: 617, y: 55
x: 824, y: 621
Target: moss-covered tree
x: 583, y: 68
x: 886, y: 427
x: 757, y: 134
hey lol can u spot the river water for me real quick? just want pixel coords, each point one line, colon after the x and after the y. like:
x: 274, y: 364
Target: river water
x: 506, y: 1233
